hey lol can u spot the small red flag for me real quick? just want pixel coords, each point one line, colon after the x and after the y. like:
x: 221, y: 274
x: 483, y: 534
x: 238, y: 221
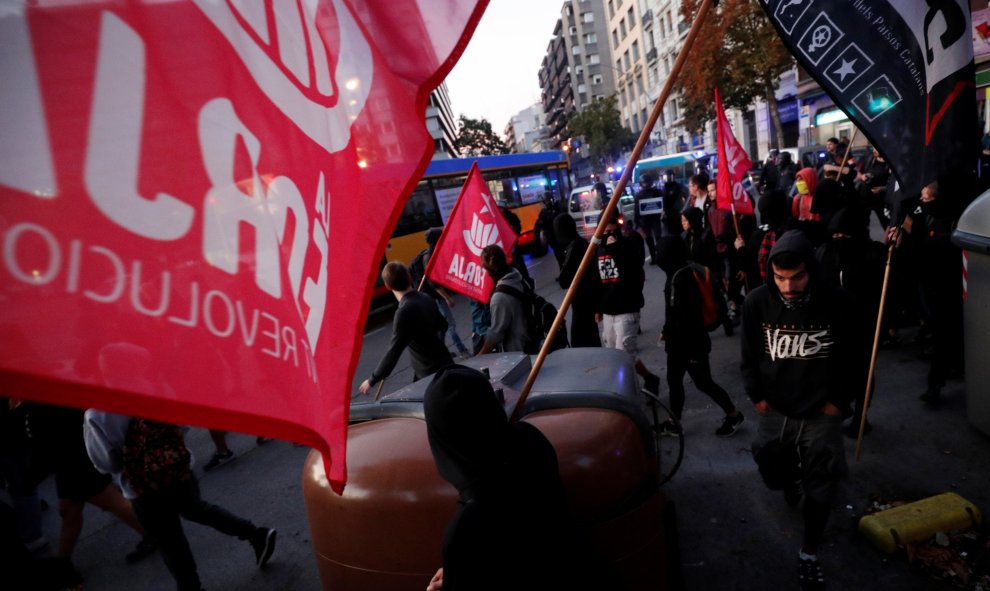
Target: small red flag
x: 475, y: 223
x: 733, y: 165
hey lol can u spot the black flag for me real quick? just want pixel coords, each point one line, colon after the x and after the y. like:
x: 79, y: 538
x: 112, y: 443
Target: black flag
x: 901, y: 69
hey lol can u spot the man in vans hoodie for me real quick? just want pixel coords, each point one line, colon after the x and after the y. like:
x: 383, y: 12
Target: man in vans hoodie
x: 802, y: 353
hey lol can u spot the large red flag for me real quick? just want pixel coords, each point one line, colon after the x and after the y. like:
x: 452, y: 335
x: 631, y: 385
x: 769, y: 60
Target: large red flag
x: 190, y: 199
x: 475, y: 223
x: 733, y: 165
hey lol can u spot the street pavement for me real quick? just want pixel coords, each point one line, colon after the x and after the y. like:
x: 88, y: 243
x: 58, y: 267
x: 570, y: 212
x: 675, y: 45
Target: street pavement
x: 734, y: 533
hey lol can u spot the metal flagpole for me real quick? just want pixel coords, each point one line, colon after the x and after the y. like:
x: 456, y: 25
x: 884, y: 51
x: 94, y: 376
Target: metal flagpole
x: 706, y: 6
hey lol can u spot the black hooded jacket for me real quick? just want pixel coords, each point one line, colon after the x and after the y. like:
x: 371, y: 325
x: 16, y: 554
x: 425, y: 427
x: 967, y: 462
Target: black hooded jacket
x: 574, y: 247
x: 684, y: 330
x: 800, y: 357
x: 511, y: 496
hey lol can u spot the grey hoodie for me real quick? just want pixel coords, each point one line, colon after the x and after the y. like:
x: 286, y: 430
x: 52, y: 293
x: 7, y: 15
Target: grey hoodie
x: 508, y: 327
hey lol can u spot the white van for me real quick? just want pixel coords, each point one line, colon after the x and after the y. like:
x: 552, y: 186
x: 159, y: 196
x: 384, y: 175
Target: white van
x: 586, y: 206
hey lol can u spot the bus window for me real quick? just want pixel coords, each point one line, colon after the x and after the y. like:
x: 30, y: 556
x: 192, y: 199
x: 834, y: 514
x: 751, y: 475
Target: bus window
x: 420, y: 212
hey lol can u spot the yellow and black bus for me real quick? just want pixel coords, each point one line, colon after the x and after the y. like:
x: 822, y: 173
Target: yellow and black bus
x: 518, y: 181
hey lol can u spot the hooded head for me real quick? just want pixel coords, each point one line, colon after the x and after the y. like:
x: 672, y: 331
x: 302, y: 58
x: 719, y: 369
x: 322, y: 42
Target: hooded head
x: 846, y: 222
x: 467, y: 429
x: 565, y: 228
x: 791, y: 268
x: 828, y: 197
x: 773, y: 208
x: 785, y: 158
x: 695, y: 217
x: 672, y: 254
x: 432, y: 236
x: 806, y: 180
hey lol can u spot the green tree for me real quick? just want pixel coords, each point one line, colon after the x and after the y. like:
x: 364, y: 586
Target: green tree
x: 738, y: 51
x: 475, y: 137
x: 602, y: 129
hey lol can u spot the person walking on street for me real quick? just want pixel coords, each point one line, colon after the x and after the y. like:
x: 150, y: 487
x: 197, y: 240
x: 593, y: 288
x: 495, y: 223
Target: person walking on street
x: 152, y: 464
x: 584, y: 329
x: 417, y: 324
x: 649, y: 224
x: 686, y: 340
x: 620, y: 269
x: 444, y: 301
x: 508, y: 321
x: 801, y: 360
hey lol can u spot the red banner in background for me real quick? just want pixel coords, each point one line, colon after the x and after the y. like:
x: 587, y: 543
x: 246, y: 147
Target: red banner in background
x: 733, y: 165
x: 190, y: 196
x: 474, y: 223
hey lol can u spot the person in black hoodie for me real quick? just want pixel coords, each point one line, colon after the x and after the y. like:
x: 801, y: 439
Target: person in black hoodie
x: 584, y: 330
x: 801, y: 360
x: 850, y: 260
x: 686, y: 340
x: 512, y: 501
x: 620, y: 270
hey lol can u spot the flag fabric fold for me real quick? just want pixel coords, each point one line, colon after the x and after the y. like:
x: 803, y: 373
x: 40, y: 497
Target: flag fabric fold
x: 474, y: 223
x: 733, y: 166
x: 902, y: 70
x: 194, y: 197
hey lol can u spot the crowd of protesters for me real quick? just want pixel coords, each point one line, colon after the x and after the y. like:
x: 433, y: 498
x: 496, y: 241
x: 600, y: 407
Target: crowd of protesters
x: 802, y: 279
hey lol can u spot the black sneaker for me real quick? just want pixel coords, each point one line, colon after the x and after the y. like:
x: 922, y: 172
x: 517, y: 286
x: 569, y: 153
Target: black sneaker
x: 730, y: 425
x: 669, y: 428
x: 263, y: 543
x: 651, y: 384
x: 810, y: 574
x: 219, y: 458
x: 262, y: 440
x: 144, y: 548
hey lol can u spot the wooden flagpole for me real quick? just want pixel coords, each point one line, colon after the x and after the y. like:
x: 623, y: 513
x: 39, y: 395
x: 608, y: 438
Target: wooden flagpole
x: 706, y: 6
x: 873, y: 354
x: 845, y: 157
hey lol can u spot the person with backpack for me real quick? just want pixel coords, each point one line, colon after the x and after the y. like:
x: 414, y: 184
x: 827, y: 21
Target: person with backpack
x: 444, y: 301
x: 685, y: 334
x: 151, y: 462
x: 508, y: 325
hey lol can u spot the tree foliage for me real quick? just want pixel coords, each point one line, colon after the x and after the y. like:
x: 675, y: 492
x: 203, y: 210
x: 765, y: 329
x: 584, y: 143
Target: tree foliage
x: 737, y: 50
x: 602, y: 129
x: 475, y: 137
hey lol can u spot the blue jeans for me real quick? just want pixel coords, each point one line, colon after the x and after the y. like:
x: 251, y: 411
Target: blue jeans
x: 451, y: 325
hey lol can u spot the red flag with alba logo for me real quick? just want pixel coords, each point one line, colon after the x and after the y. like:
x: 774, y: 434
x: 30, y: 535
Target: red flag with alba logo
x: 474, y: 223
x: 195, y: 196
x: 733, y: 165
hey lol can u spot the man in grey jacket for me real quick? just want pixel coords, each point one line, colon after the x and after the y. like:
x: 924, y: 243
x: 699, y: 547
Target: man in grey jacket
x: 508, y: 328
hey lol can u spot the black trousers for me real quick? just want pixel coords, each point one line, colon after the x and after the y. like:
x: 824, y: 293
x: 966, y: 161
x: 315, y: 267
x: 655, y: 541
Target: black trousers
x: 159, y: 514
x: 701, y: 372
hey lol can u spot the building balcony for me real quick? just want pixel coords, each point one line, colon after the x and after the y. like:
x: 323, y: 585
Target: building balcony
x: 647, y: 19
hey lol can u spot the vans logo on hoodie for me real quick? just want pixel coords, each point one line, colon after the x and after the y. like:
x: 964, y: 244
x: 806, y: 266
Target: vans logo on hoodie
x: 797, y: 343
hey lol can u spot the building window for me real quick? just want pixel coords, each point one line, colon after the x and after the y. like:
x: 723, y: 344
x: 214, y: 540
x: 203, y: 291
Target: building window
x: 596, y: 79
x: 573, y: 30
x: 625, y: 59
x: 635, y: 50
x: 593, y: 59
x: 611, y: 9
x: 591, y: 38
x: 567, y: 10
x: 622, y: 28
x: 588, y: 17
x: 631, y: 17
x: 582, y: 88
x: 576, y: 49
x: 618, y: 65
x: 615, y: 39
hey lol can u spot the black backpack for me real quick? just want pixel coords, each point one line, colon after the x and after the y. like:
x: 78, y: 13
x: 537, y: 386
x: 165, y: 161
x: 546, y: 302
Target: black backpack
x: 417, y: 270
x: 539, y: 317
